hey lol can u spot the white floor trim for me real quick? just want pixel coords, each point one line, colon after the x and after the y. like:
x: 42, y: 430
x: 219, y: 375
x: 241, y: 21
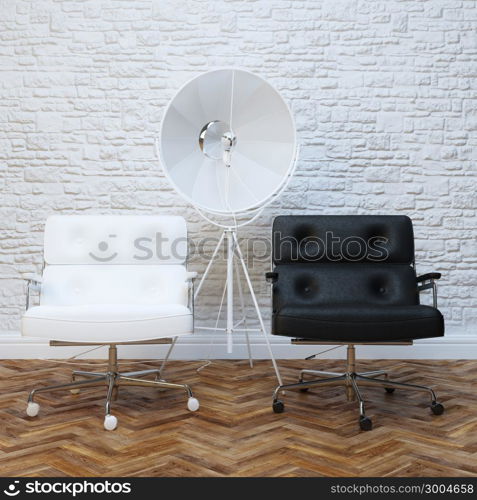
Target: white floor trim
x: 197, y: 346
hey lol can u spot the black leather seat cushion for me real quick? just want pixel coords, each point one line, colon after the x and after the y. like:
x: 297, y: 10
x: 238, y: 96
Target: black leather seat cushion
x: 358, y: 322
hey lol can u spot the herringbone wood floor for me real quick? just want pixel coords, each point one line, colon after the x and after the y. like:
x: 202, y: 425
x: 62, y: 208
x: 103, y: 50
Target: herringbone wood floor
x: 235, y: 432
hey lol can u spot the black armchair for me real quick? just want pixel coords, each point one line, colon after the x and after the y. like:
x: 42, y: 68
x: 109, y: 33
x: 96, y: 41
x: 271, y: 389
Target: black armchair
x: 350, y: 280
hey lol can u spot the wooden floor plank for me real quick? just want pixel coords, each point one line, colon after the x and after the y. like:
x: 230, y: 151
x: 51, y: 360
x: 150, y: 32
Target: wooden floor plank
x: 235, y: 432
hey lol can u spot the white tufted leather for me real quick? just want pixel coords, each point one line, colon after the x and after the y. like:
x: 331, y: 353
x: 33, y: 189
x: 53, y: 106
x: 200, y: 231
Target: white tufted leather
x: 121, y: 299
x: 128, y: 239
x: 112, y: 284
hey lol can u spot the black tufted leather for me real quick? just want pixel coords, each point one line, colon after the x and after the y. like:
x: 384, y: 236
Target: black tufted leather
x: 319, y: 284
x: 348, y: 299
x: 304, y: 238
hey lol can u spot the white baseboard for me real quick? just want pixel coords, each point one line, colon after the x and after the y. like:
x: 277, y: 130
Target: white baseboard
x: 13, y: 346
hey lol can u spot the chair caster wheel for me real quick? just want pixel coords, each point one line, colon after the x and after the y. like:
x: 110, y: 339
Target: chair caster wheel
x: 365, y: 423
x: 303, y: 389
x: 192, y: 404
x: 32, y: 409
x: 389, y: 390
x: 437, y: 408
x: 278, y: 406
x: 74, y: 391
x: 110, y: 422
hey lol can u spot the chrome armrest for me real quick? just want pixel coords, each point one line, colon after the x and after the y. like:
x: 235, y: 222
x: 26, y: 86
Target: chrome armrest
x: 428, y: 276
x: 271, y: 277
x: 428, y: 281
x: 34, y: 282
x: 190, y: 277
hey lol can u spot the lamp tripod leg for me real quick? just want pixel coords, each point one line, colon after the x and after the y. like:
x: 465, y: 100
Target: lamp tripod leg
x: 209, y: 265
x: 166, y: 359
x: 244, y: 317
x: 230, y: 289
x: 257, y: 309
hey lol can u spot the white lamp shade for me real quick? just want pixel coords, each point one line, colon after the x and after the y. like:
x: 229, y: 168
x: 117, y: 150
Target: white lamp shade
x: 261, y: 158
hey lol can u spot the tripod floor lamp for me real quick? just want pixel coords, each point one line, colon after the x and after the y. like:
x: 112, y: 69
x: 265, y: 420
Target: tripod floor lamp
x: 228, y: 146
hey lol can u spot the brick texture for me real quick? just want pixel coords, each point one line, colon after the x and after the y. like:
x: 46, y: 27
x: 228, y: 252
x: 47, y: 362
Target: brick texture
x: 384, y: 93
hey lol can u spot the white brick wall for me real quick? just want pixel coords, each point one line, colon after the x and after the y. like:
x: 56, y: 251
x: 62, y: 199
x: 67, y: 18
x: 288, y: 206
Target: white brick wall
x: 384, y: 93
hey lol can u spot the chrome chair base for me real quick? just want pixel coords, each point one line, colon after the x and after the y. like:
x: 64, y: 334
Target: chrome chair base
x: 112, y: 379
x: 349, y: 380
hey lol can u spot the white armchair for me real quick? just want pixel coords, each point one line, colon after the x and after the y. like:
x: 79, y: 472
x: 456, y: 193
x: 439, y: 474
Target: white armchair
x: 112, y: 280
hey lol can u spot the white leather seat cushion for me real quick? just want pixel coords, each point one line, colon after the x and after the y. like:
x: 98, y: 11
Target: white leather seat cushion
x: 107, y: 322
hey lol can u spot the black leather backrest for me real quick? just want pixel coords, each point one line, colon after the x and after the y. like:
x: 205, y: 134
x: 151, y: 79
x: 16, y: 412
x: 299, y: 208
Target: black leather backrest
x: 330, y: 283
x: 344, y: 259
x: 343, y: 239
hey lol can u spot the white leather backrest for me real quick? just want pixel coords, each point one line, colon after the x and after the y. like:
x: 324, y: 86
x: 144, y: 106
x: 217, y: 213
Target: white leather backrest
x: 114, y: 284
x: 115, y: 239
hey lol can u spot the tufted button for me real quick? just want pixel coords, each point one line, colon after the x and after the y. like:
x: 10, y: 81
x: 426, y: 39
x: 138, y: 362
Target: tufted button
x: 305, y: 286
x: 382, y: 290
x: 76, y: 291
